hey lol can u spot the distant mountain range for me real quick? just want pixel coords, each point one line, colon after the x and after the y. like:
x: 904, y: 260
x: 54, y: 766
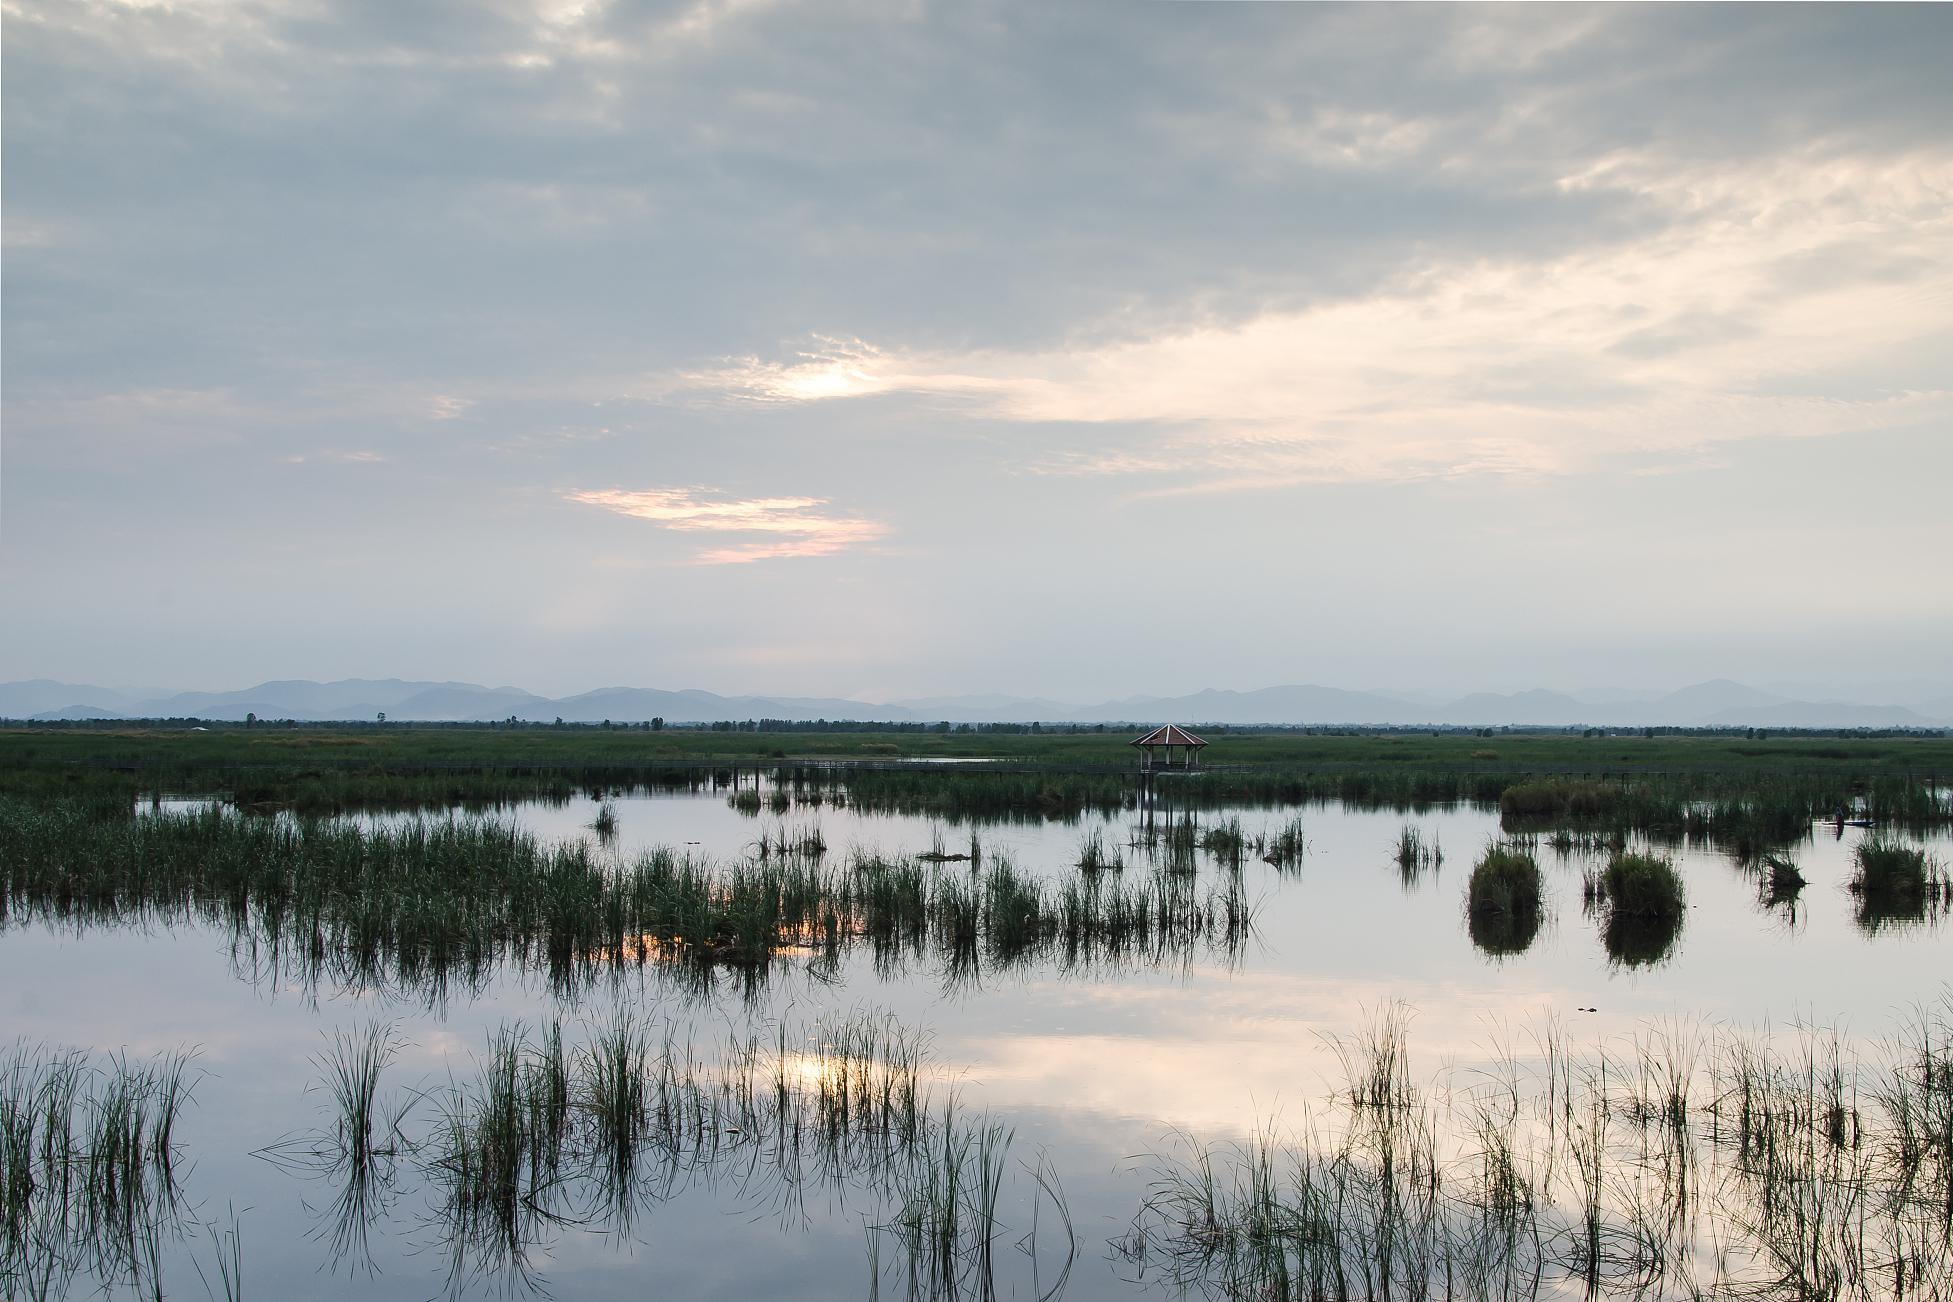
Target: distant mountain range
x: 1711, y: 704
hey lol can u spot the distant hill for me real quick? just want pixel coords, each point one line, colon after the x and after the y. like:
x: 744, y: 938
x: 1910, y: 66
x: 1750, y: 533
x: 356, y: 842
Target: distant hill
x: 1299, y: 704
x: 1718, y: 703
x: 24, y: 700
x: 72, y: 712
x: 1713, y: 698
x: 1809, y: 714
x: 987, y: 707
x: 1536, y: 707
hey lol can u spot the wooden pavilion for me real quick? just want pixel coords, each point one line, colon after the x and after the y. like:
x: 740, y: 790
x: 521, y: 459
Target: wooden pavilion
x: 1167, y: 738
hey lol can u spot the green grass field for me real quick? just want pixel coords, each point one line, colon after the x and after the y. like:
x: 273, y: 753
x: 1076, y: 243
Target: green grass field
x: 1654, y: 781
x: 410, y: 745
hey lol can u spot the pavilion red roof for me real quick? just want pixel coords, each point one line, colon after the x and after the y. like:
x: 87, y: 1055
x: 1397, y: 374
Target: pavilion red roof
x: 1171, y: 735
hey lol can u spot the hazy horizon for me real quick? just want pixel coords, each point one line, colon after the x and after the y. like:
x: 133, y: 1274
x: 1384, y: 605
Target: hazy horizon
x: 1077, y: 352
x: 1866, y: 690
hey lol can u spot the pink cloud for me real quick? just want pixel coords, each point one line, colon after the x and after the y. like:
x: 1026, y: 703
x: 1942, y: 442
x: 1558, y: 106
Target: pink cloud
x: 797, y: 526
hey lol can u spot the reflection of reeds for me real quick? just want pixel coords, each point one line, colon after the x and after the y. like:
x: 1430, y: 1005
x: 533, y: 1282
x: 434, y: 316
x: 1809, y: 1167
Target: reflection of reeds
x: 1642, y: 905
x: 781, y: 841
x: 1095, y: 854
x: 1286, y: 845
x: 1225, y: 841
x: 1503, y: 901
x: 88, y: 1155
x: 428, y: 902
x: 1780, y: 881
x: 1700, y: 1163
x: 1897, y: 884
x: 543, y: 1136
x: 1414, y: 856
x: 947, y: 1222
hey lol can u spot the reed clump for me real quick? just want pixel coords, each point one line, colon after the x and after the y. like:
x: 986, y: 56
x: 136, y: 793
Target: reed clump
x: 1225, y: 841
x: 1096, y: 854
x: 1558, y: 800
x: 1897, y: 883
x: 1285, y: 846
x: 1503, y: 901
x: 1781, y: 880
x: 1642, y: 905
x: 1414, y: 855
x: 1642, y: 886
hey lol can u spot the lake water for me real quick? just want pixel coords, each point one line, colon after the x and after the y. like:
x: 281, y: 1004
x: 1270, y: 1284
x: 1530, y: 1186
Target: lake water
x: 1090, y: 1069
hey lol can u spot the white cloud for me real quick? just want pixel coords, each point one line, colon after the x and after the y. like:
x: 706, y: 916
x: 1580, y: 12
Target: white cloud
x: 794, y: 526
x: 1759, y: 311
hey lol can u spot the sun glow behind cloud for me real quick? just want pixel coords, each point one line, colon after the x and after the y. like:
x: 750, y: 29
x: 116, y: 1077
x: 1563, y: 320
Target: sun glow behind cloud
x: 798, y: 524
x: 1750, y: 313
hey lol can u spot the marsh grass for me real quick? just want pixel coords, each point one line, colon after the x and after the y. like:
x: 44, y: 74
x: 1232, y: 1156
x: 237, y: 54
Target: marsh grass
x: 1179, y: 840
x: 781, y: 841
x: 542, y: 1134
x: 1286, y: 845
x: 88, y: 1168
x: 1414, y: 856
x: 227, y: 1261
x: 947, y: 1220
x: 1690, y: 1162
x: 428, y: 903
x: 356, y: 1156
x: 1096, y: 855
x: 1225, y: 841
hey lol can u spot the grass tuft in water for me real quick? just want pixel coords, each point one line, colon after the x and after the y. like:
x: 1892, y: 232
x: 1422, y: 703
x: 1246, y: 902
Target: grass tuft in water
x: 1503, y: 907
x: 1095, y: 854
x: 1897, y: 884
x: 1642, y: 903
x: 1286, y: 845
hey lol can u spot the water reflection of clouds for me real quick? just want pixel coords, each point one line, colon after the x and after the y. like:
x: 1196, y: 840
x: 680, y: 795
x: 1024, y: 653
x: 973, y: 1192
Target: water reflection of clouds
x: 1224, y: 1054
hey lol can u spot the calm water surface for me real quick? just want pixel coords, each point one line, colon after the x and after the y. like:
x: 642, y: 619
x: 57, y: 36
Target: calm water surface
x: 1089, y: 1070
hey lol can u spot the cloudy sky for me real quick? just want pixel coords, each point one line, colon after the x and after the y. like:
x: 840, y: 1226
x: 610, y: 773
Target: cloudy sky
x: 896, y: 349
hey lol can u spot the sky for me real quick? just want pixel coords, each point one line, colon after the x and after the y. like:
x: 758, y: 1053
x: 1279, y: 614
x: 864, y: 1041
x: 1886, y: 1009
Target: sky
x: 903, y: 349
